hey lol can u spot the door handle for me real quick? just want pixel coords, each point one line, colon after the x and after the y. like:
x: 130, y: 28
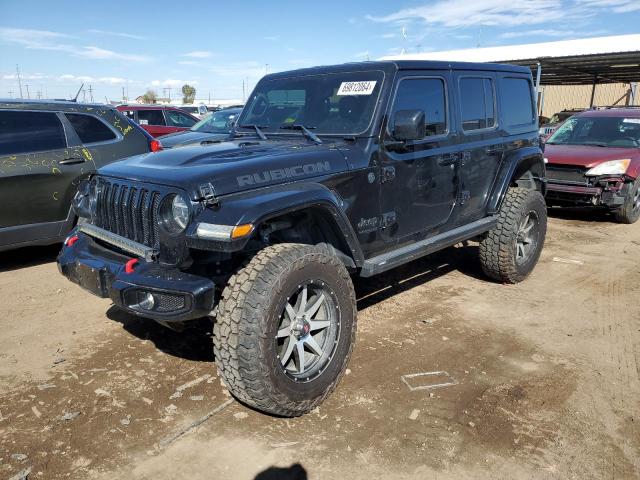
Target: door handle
x: 493, y: 151
x: 71, y: 161
x: 447, y: 159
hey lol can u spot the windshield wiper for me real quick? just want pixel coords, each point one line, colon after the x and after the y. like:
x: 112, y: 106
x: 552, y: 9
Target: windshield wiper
x: 257, y: 129
x: 305, y: 131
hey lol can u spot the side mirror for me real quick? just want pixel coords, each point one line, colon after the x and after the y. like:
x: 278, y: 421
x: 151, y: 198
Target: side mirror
x: 409, y: 125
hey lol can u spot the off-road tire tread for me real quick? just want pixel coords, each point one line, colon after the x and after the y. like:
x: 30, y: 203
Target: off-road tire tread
x: 238, y: 325
x: 495, y: 255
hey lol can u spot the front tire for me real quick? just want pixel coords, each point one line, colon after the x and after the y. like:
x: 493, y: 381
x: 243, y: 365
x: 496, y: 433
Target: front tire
x: 285, y: 328
x: 630, y: 211
x: 510, y: 251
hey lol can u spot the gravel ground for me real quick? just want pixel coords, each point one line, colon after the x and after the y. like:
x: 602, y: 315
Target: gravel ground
x: 543, y: 377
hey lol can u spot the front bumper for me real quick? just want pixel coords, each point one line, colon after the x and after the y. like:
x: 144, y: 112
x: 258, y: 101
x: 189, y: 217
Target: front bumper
x: 608, y: 192
x: 148, y: 289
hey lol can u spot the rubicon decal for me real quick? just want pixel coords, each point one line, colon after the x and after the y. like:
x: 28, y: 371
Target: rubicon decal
x: 284, y: 173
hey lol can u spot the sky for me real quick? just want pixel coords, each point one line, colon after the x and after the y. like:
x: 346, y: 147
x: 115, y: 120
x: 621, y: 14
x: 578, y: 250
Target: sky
x: 216, y: 46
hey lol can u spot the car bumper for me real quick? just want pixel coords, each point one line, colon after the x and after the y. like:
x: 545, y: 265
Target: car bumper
x: 147, y: 289
x: 609, y: 192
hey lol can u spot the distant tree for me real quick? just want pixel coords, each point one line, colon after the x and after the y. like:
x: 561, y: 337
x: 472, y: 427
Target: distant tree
x: 150, y: 96
x: 188, y: 93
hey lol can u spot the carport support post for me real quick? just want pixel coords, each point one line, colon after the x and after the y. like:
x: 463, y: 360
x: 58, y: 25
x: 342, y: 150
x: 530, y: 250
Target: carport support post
x: 538, y: 75
x: 593, y: 90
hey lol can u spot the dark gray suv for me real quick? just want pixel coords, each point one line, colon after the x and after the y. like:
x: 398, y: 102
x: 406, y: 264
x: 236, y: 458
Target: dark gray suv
x: 46, y: 148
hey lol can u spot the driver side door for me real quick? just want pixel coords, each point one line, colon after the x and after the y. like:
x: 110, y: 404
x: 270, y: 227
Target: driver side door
x: 419, y: 180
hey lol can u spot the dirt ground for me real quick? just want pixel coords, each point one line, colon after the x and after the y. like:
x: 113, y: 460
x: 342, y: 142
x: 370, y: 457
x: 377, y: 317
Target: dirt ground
x: 544, y: 377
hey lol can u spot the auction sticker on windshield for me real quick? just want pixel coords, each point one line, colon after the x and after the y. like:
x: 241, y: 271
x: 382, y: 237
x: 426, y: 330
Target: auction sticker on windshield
x: 357, y: 88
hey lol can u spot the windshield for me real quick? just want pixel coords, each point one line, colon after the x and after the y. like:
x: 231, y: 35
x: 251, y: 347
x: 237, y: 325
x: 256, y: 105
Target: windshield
x: 218, y: 122
x: 598, y: 131
x: 330, y: 103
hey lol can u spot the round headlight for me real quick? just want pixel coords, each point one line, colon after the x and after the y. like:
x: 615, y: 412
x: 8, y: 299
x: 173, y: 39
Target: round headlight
x: 175, y: 214
x: 180, y: 211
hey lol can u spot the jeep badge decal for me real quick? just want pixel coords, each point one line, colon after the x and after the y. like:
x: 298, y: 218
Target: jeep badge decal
x: 282, y: 173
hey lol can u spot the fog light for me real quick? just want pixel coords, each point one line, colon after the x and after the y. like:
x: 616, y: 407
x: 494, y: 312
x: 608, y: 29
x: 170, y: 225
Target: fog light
x: 145, y: 301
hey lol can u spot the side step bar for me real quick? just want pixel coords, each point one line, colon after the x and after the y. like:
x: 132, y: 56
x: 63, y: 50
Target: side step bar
x: 402, y: 255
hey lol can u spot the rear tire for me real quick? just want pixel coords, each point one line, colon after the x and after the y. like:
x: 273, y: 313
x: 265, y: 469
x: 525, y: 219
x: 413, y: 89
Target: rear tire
x: 630, y: 211
x: 265, y: 324
x: 510, y: 251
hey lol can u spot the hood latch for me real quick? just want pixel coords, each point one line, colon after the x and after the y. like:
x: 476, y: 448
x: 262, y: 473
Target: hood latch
x: 208, y: 195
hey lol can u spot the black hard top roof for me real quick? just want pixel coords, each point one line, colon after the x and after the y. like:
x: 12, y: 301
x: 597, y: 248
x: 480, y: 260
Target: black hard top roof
x: 395, y: 65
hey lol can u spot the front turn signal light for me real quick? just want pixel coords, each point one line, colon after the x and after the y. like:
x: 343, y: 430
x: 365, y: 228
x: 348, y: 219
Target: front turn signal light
x: 240, y: 231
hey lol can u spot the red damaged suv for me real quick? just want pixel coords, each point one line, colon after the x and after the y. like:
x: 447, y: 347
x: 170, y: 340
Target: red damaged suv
x: 594, y: 159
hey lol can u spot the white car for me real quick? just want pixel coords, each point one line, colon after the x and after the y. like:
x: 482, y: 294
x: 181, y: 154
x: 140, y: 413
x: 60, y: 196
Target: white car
x: 199, y: 111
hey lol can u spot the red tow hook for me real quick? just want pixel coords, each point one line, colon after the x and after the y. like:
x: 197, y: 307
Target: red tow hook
x: 128, y: 267
x: 71, y: 240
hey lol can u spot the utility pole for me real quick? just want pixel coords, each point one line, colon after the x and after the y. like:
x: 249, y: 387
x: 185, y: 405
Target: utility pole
x: 243, y: 97
x: 123, y: 100
x: 165, y: 92
x: 90, y: 94
x: 19, y: 81
x: 28, y: 97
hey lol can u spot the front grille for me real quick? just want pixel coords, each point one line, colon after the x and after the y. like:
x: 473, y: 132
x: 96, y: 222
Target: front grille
x: 129, y: 211
x: 567, y: 174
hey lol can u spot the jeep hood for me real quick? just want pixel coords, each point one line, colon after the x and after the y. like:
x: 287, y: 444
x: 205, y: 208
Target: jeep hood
x: 180, y: 139
x: 231, y: 166
x: 587, y: 156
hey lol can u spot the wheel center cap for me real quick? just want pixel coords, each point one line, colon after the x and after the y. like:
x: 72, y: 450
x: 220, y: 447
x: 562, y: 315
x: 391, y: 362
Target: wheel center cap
x: 301, y: 328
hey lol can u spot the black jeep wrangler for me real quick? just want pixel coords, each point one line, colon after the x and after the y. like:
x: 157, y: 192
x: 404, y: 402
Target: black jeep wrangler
x: 333, y: 172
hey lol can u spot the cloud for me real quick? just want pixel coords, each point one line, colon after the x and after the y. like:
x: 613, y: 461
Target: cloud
x: 68, y: 78
x: 117, y: 34
x: 389, y: 35
x: 617, y: 6
x: 96, y: 53
x: 462, y: 13
x: 272, y: 38
x: 47, y: 40
x: 198, y: 54
x: 27, y: 76
x: 188, y: 62
x: 547, y: 32
x: 173, y: 83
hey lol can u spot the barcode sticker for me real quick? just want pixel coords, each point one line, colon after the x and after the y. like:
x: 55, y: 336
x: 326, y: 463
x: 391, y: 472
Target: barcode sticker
x: 357, y: 88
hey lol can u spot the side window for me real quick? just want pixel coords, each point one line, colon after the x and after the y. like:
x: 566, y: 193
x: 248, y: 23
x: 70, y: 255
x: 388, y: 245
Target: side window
x: 427, y: 94
x: 150, y: 117
x: 89, y: 128
x: 26, y: 132
x: 477, y: 103
x: 517, y: 101
x: 179, y: 119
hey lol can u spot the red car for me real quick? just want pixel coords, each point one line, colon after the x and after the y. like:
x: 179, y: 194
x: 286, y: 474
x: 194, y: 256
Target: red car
x: 594, y: 159
x: 159, y: 119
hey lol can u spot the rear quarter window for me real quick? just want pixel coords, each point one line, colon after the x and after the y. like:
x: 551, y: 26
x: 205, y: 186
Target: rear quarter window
x: 150, y: 117
x: 517, y: 102
x: 90, y: 129
x: 29, y: 132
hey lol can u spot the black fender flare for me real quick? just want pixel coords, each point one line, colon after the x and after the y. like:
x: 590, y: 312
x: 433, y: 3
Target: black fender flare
x: 260, y: 205
x: 516, y: 163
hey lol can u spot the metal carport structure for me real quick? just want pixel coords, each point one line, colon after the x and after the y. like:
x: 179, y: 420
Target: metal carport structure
x: 588, y: 61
